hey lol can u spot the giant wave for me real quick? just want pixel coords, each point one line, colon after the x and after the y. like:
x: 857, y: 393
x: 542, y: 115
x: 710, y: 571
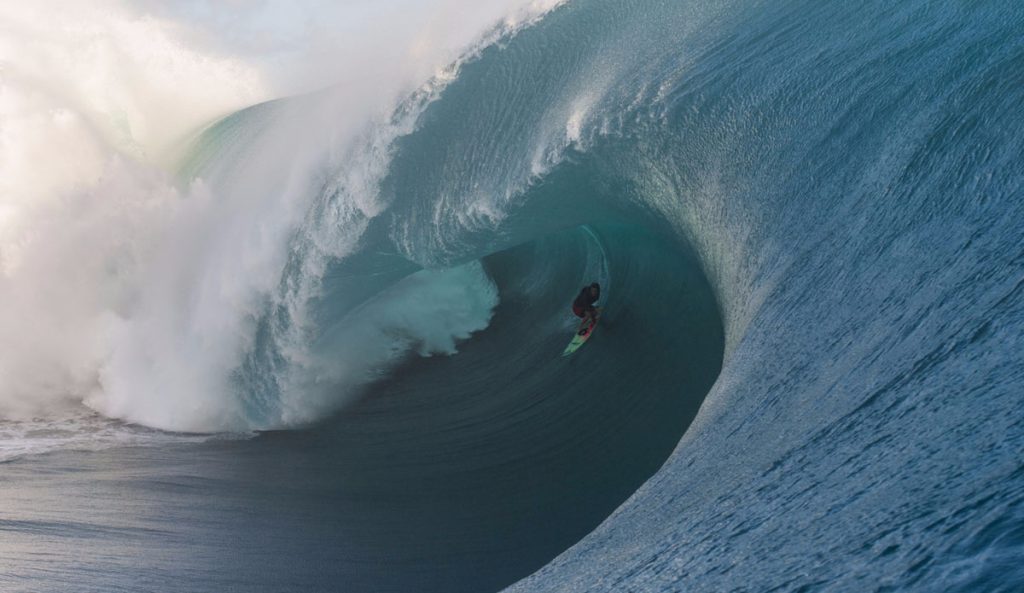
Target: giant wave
x: 807, y: 219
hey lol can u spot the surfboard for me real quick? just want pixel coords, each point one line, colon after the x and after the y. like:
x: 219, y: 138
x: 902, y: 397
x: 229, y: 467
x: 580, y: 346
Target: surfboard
x: 579, y: 340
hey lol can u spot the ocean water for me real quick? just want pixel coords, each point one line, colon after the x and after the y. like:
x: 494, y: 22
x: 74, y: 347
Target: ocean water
x: 806, y: 218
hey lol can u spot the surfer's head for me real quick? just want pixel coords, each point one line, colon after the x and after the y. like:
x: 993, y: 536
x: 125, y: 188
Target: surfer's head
x: 595, y: 289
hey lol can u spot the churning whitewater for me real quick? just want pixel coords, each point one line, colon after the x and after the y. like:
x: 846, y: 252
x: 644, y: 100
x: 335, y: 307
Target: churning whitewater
x: 189, y: 310
x: 349, y: 303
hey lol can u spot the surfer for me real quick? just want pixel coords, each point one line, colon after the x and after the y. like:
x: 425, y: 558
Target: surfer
x: 584, y: 308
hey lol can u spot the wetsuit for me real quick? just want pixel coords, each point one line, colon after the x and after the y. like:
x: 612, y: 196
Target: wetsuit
x: 585, y: 302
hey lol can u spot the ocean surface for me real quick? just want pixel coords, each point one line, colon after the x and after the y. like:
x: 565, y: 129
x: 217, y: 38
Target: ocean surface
x: 807, y: 219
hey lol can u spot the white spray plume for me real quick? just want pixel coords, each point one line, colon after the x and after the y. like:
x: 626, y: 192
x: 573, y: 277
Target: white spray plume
x: 117, y: 287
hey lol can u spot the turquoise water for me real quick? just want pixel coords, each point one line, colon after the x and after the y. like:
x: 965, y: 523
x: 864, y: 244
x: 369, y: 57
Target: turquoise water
x: 806, y: 217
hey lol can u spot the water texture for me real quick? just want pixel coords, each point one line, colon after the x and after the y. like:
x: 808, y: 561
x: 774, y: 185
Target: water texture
x: 806, y: 219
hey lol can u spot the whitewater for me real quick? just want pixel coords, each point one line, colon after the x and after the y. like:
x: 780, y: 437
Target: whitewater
x: 289, y: 317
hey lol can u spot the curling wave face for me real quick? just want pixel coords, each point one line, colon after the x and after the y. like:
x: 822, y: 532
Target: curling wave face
x: 848, y: 182
x: 820, y: 201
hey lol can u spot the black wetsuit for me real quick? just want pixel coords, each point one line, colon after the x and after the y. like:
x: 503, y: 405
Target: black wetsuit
x: 585, y: 302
